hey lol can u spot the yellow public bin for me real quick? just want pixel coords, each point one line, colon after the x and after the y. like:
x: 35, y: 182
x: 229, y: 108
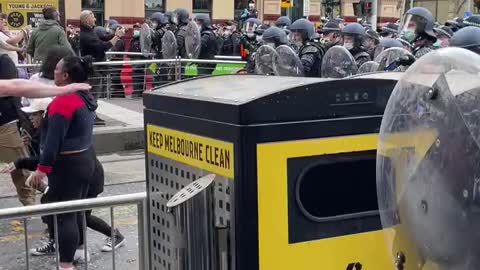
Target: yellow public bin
x: 294, y: 160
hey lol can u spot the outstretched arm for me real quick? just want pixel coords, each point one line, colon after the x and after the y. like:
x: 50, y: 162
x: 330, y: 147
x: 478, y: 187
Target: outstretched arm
x: 24, y: 88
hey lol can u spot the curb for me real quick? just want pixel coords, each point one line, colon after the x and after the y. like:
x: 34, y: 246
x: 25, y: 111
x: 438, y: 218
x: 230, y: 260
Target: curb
x: 117, y: 140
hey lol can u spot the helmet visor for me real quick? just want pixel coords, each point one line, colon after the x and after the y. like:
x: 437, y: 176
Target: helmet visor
x: 413, y: 23
x: 250, y: 27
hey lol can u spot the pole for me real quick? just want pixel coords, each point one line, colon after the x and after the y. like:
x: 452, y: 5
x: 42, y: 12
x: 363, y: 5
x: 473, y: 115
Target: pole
x: 469, y: 6
x: 374, y: 18
x: 411, y: 3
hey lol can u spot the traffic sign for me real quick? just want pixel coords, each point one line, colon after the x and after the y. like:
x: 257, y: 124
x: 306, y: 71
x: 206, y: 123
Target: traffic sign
x: 287, y: 3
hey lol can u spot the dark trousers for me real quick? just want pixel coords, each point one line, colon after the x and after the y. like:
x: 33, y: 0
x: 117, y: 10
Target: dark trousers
x: 69, y: 181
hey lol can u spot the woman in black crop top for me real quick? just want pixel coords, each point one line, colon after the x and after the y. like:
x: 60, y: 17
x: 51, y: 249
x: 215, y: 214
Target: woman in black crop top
x: 67, y: 157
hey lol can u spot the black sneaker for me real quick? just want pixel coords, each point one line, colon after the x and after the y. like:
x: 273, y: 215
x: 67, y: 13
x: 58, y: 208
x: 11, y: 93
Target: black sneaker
x: 47, y: 250
x: 119, y: 242
x: 99, y: 121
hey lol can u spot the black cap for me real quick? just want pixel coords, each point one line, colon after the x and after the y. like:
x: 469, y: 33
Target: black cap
x: 444, y: 31
x: 331, y: 26
x: 472, y: 21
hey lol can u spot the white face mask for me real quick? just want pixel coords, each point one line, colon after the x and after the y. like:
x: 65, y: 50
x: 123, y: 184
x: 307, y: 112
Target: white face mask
x: 250, y: 35
x: 271, y: 44
x: 251, y: 6
x: 348, y: 46
x: 154, y: 25
x: 259, y: 39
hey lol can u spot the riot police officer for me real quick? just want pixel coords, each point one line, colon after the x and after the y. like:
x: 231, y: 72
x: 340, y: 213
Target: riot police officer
x: 353, y: 37
x: 311, y: 54
x: 171, y: 26
x: 371, y: 41
x: 182, y: 17
x: 283, y: 22
x: 331, y: 34
x: 467, y: 38
x: 274, y: 37
x: 209, y: 43
x: 417, y: 27
x: 389, y: 30
x: 248, y: 42
x: 159, y: 22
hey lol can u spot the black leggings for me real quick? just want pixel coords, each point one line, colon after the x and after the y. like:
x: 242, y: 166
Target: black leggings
x: 69, y: 181
x: 95, y: 188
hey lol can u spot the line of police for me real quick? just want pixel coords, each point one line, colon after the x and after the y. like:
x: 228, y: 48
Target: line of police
x: 315, y: 52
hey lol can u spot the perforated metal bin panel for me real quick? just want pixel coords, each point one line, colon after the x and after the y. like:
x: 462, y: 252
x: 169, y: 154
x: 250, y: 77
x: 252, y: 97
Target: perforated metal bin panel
x: 197, y: 234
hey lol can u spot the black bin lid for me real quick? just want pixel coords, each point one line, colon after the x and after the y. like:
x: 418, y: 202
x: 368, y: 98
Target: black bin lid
x: 250, y: 99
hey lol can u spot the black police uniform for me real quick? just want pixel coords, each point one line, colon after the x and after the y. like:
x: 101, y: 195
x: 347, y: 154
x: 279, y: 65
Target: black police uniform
x: 208, y: 50
x: 311, y: 55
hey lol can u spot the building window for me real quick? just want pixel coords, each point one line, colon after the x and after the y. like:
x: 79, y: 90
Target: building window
x: 202, y: 6
x: 97, y: 7
x: 152, y: 6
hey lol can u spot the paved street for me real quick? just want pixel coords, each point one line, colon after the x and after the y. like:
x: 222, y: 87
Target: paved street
x: 124, y: 174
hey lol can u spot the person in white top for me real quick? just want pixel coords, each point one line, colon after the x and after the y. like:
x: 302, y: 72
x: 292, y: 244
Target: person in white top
x: 8, y: 44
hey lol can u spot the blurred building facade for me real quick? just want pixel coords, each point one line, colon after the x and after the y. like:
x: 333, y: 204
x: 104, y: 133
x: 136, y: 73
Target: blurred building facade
x: 132, y: 11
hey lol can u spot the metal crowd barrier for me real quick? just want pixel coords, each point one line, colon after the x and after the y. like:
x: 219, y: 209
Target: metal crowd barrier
x: 132, y: 77
x: 138, y: 199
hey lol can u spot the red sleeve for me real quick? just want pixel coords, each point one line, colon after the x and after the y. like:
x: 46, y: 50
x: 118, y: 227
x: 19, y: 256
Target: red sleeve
x: 60, y: 113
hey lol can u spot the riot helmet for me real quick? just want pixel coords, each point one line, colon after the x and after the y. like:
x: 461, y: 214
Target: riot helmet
x: 251, y: 26
x: 371, y: 39
x: 444, y: 34
x: 389, y: 30
x: 283, y: 22
x: 302, y: 30
x: 274, y: 37
x: 203, y: 20
x: 455, y: 24
x: 331, y: 33
x: 170, y: 17
x: 182, y: 16
x: 387, y: 43
x: 467, y: 38
x: 418, y: 23
x: 353, y: 36
x: 158, y: 20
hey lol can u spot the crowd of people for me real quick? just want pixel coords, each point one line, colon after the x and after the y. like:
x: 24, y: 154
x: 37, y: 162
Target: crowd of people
x: 55, y: 145
x: 47, y: 142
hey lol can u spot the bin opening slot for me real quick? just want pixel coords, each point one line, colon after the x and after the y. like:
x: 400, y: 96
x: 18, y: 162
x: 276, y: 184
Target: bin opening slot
x: 339, y: 187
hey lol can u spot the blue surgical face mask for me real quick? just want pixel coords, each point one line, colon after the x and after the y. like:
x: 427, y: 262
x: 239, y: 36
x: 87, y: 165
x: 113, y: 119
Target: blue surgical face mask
x: 136, y: 33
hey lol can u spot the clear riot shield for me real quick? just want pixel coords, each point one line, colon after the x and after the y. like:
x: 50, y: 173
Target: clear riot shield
x: 264, y: 60
x: 287, y: 63
x: 193, y: 40
x: 169, y: 45
x: 391, y: 59
x: 145, y: 38
x: 338, y: 62
x: 368, y: 67
x: 428, y: 173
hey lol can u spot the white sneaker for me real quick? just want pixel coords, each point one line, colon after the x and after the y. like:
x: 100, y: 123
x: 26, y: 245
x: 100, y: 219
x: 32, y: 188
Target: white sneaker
x: 79, y: 256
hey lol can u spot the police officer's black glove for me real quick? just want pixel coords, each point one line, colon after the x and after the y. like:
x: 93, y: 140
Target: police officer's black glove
x: 407, y: 60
